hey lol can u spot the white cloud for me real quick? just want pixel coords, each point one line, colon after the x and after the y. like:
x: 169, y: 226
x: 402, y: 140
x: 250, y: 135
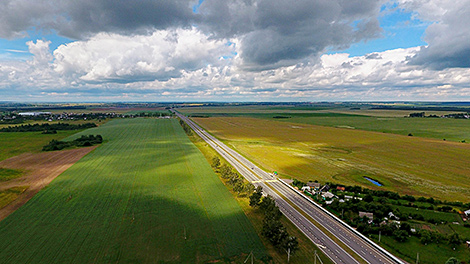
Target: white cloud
x: 186, y: 65
x: 448, y: 37
x: 159, y: 56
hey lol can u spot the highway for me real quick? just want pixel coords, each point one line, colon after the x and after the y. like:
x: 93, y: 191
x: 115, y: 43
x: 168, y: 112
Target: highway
x: 301, y: 211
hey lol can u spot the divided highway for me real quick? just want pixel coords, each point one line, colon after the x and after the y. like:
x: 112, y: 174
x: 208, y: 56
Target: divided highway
x: 303, y: 212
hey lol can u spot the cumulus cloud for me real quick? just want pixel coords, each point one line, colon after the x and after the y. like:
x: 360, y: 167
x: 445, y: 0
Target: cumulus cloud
x: 79, y: 19
x: 272, y: 33
x: 276, y: 33
x: 159, y: 56
x: 448, y: 37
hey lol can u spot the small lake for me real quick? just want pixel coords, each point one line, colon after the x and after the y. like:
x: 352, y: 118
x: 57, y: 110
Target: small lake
x: 373, y: 181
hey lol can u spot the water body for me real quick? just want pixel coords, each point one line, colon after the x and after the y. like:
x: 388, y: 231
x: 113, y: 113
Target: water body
x: 373, y: 181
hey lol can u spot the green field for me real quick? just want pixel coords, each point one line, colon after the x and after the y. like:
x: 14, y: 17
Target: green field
x: 386, y: 121
x: 16, y: 143
x: 147, y: 195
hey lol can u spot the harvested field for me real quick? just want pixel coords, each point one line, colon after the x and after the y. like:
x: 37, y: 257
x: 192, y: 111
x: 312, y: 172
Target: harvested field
x: 40, y: 169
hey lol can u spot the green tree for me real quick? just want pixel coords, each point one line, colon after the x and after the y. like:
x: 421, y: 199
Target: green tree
x: 215, y: 162
x: 400, y: 235
x: 255, y: 197
x: 454, y: 240
x: 425, y: 237
x: 225, y: 171
x: 290, y: 243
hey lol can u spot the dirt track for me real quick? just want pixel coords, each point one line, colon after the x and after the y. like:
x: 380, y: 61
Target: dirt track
x: 41, y: 169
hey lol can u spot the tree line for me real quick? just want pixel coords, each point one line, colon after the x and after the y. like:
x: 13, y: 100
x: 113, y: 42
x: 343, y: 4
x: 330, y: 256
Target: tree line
x: 186, y: 127
x: 47, y: 127
x: 83, y: 141
x: 273, y: 229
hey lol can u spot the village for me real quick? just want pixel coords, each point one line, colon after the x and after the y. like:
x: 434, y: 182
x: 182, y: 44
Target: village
x: 380, y: 214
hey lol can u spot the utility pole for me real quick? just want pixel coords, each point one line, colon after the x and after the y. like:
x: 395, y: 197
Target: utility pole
x: 380, y: 233
x: 417, y: 258
x: 315, y: 257
x: 185, y: 233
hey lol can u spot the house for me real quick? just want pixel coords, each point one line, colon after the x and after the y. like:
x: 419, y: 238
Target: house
x: 328, y: 195
x: 467, y: 213
x: 325, y: 188
x: 340, y: 188
x: 468, y: 244
x: 306, y: 189
x: 314, y: 185
x: 370, y: 216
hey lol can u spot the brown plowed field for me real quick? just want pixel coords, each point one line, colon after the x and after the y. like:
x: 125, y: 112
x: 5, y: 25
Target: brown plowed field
x: 41, y: 169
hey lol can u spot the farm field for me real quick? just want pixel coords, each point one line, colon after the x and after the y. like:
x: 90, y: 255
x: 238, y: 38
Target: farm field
x: 407, y: 165
x: 146, y: 195
x: 32, y: 172
x: 16, y: 143
x: 386, y: 121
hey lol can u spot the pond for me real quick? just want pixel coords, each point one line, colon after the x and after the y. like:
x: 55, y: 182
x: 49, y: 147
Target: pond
x: 373, y: 181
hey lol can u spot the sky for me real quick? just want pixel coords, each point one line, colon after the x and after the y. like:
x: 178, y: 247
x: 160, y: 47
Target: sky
x: 237, y: 50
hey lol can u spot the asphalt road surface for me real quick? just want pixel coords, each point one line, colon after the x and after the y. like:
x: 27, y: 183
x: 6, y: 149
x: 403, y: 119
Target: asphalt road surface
x: 302, y: 211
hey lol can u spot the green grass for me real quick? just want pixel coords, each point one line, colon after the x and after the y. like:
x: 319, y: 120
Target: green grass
x: 16, y: 143
x: 431, y: 253
x: 9, y: 195
x: 407, y: 165
x: 8, y: 174
x: 131, y: 201
x: 430, y: 214
x: 369, y: 120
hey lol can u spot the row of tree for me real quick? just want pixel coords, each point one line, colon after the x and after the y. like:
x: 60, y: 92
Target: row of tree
x: 273, y: 229
x: 83, y: 141
x: 232, y: 178
x: 47, y: 127
x: 186, y: 128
